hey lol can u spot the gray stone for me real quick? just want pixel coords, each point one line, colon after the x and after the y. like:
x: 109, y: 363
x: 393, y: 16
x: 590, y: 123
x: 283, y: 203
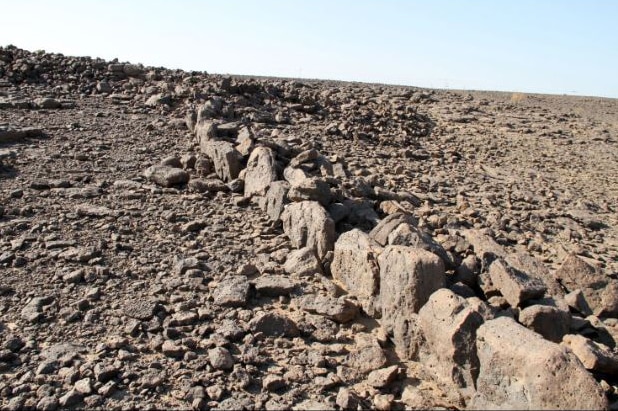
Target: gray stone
x: 274, y: 325
x: 551, y: 322
x: 516, y: 286
x: 380, y: 378
x: 274, y: 285
x: 166, y: 176
x: 225, y: 158
x: 449, y: 327
x: 311, y: 189
x: 275, y: 199
x: 220, y: 358
x: 232, y: 291
x: 261, y: 171
x: 367, y: 356
x: 303, y: 262
x: 308, y: 225
x: 339, y: 309
x: 386, y: 226
x: 355, y: 267
x: 521, y: 370
x: 595, y: 357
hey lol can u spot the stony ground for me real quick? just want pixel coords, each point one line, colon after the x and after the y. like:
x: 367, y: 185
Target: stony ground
x: 120, y: 289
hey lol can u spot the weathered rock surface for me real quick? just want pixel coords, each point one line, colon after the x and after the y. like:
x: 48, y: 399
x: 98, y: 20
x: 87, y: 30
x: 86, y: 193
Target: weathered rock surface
x: 225, y: 158
x: 261, y: 171
x: 355, y: 267
x: 521, y: 370
x: 308, y: 225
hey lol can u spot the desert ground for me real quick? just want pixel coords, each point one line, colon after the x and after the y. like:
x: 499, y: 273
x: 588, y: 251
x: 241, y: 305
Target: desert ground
x: 185, y: 240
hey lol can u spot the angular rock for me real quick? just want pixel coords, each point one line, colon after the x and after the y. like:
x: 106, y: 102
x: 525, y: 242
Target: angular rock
x: 367, y: 356
x: 166, y: 176
x: 275, y: 199
x: 409, y: 235
x: 386, y: 226
x: 225, y: 158
x: 308, y: 225
x: 408, y: 276
x: 521, y: 370
x: 551, y: 322
x: 205, y: 131
x: 220, y: 358
x: 274, y: 285
x: 449, y: 327
x: 516, y: 286
x: 261, y: 171
x: 339, y: 309
x: 232, y: 291
x: 302, y: 262
x: 600, y: 291
x: 355, y: 267
x: 274, y: 325
x: 382, y: 377
x: 595, y: 357
x: 311, y: 189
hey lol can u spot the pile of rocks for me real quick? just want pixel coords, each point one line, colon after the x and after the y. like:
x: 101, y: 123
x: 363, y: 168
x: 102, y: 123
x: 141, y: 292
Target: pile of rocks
x: 299, y: 245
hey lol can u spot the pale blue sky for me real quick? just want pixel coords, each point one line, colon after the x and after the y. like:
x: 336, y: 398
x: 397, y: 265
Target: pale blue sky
x: 546, y: 46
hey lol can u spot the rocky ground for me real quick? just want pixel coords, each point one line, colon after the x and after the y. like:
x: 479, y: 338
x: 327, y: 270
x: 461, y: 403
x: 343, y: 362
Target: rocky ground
x: 184, y: 240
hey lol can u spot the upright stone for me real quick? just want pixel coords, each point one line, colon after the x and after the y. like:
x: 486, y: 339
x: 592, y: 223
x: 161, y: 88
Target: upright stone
x: 225, y: 158
x: 308, y: 225
x: 275, y: 199
x: 516, y: 286
x: 449, y: 326
x: 261, y: 171
x: 355, y: 267
x: 408, y: 276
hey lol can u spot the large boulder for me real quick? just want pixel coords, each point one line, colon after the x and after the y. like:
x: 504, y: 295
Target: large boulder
x: 449, y: 327
x: 312, y: 189
x: 225, y: 158
x: 595, y: 357
x: 261, y: 171
x: 521, y: 370
x: 308, y: 225
x: 408, y: 276
x: 355, y: 267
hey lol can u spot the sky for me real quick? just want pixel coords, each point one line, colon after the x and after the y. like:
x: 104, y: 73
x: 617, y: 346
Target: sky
x: 540, y: 46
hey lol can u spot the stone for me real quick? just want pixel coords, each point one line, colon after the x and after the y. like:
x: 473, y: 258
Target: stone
x: 409, y: 235
x: 408, y: 276
x: 70, y: 399
x: 220, y: 358
x: 274, y: 325
x: 367, y: 356
x: 273, y: 383
x: 595, y: 357
x: 308, y: 225
x: 205, y: 131
x: 173, y: 350
x: 225, y: 158
x: 83, y: 386
x: 142, y: 310
x: 521, y: 370
x: 516, y: 286
x: 311, y: 189
x: 347, y: 400
x: 232, y: 291
x: 380, y: 378
x: 355, y: 267
x: 46, y: 103
x: 275, y: 199
x: 166, y: 176
x: 209, y: 185
x: 274, y: 285
x: 550, y: 322
x: 261, y: 171
x: 449, y: 327
x: 340, y: 309
x: 303, y: 262
x: 386, y: 226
